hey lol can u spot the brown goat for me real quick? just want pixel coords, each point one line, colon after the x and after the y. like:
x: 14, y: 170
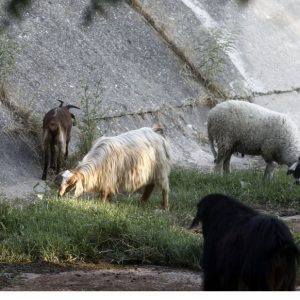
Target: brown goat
x: 57, y: 124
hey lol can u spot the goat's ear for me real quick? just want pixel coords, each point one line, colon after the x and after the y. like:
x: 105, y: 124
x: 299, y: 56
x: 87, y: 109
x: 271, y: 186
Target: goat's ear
x: 79, y: 186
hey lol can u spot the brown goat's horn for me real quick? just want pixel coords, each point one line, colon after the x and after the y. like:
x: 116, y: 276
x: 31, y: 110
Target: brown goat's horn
x: 71, y: 106
x: 61, y: 103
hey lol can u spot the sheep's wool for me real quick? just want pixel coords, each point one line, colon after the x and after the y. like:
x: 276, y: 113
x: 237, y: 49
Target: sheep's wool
x: 240, y: 126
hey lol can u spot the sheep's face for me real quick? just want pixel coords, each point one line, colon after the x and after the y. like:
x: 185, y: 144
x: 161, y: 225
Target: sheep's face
x: 294, y: 169
x: 71, y: 181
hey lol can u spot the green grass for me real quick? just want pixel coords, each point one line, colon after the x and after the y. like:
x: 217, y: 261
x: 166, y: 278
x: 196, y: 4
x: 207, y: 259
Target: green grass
x: 124, y: 232
x: 280, y: 195
x: 70, y: 230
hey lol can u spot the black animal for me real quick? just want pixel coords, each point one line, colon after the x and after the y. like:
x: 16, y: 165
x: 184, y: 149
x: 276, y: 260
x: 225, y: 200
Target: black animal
x: 243, y: 249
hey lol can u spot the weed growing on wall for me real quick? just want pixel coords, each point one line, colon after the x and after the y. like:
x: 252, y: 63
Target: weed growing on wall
x: 214, y: 50
x: 7, y: 56
x: 90, y: 106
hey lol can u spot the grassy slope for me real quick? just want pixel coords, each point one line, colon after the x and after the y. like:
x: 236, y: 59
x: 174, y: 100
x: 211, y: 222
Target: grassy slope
x: 125, y: 232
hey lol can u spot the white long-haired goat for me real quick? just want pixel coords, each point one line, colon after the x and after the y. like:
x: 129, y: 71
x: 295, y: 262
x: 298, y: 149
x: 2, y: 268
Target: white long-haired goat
x: 123, y: 163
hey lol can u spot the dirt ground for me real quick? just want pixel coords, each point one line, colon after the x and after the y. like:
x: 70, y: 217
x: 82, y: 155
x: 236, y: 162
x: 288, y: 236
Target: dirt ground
x: 50, y: 277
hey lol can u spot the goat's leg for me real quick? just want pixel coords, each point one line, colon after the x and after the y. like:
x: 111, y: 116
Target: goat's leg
x: 164, y: 185
x: 52, y: 156
x: 103, y: 196
x: 109, y: 197
x: 46, y: 162
x: 67, y: 150
x: 165, y: 196
x: 147, y: 192
x: 58, y: 158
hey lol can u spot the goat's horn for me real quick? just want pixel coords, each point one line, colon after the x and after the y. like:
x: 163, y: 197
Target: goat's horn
x: 71, y: 106
x: 61, y: 103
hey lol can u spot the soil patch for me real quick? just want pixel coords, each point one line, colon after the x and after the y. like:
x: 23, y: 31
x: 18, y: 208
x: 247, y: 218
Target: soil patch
x: 49, y: 277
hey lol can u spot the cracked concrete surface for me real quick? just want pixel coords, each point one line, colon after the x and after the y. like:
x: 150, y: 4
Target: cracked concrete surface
x: 150, y: 58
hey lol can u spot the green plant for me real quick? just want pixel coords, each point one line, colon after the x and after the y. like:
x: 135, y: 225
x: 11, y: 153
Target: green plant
x: 213, y: 52
x: 7, y: 56
x: 91, y: 115
x: 90, y: 105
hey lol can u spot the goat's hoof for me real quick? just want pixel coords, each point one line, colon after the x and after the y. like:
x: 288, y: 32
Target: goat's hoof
x: 44, y: 177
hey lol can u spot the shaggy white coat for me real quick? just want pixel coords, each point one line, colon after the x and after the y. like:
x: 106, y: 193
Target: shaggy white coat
x: 239, y: 126
x: 123, y: 163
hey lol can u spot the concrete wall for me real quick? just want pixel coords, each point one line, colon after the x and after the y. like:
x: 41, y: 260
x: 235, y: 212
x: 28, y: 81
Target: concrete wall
x: 158, y: 60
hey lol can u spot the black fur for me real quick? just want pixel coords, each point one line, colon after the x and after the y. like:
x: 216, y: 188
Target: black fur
x: 243, y: 249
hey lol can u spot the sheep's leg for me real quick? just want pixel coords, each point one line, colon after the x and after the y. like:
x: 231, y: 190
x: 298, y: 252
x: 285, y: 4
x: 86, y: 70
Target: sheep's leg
x: 219, y: 164
x: 269, y: 171
x: 226, y: 164
x: 52, y: 156
x: 219, y: 167
x: 147, y: 192
x: 223, y: 159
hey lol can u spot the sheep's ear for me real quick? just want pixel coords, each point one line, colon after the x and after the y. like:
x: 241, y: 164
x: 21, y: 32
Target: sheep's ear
x: 292, y: 168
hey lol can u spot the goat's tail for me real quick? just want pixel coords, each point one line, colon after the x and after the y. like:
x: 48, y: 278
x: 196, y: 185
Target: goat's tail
x: 158, y: 128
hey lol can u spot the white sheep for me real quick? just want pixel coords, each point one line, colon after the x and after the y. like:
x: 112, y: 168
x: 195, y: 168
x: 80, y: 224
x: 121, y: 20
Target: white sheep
x: 239, y: 126
x: 123, y: 163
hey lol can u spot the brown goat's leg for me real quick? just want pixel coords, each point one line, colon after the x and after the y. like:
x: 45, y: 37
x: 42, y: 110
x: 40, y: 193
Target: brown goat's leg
x: 67, y: 150
x: 165, y: 195
x: 147, y: 192
x: 52, y: 156
x: 46, y: 162
x: 58, y: 159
